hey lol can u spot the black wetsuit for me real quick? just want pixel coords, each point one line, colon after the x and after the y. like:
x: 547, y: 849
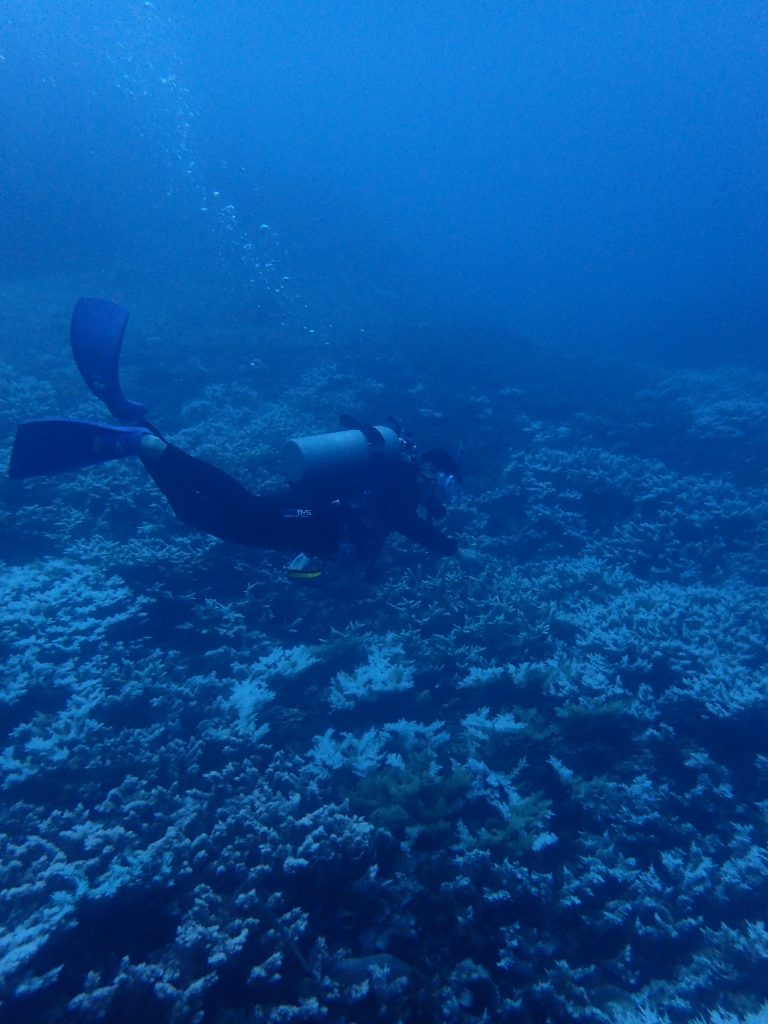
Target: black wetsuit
x: 346, y: 521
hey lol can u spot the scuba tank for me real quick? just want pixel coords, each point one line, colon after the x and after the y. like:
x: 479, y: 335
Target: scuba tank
x: 342, y: 453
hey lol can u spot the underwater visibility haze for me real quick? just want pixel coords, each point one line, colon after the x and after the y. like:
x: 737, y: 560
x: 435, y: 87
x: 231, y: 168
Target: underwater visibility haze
x: 521, y: 776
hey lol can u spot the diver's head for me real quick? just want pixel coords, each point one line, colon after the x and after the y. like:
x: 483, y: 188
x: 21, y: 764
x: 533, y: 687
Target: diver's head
x: 439, y: 481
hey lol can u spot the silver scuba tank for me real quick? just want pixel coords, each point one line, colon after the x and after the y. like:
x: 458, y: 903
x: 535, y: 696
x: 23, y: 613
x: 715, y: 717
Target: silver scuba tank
x: 307, y: 460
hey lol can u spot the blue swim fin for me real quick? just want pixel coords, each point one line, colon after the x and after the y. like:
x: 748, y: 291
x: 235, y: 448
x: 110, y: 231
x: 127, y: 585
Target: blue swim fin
x: 45, y: 447
x: 97, y: 334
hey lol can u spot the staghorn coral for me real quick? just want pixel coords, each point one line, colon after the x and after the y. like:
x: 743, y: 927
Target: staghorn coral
x: 527, y: 787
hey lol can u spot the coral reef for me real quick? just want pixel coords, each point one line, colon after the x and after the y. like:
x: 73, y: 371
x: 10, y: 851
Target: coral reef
x: 529, y: 786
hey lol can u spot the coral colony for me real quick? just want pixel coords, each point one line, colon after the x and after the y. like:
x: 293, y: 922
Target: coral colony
x: 531, y: 787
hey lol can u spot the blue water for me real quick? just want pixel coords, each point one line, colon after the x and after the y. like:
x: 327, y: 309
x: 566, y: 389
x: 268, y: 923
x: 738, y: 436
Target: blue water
x: 528, y: 784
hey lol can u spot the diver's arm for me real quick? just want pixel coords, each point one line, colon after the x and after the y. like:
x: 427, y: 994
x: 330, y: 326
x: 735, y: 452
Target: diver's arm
x: 427, y: 534
x: 403, y: 516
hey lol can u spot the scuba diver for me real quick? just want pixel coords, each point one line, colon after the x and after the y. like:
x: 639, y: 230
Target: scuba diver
x: 347, y: 490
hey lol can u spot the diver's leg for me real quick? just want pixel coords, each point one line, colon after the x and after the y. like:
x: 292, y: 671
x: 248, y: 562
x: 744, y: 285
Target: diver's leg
x: 208, y: 498
x: 202, y: 495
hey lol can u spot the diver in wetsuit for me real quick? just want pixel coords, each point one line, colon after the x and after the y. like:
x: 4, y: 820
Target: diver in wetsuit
x: 347, y: 490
